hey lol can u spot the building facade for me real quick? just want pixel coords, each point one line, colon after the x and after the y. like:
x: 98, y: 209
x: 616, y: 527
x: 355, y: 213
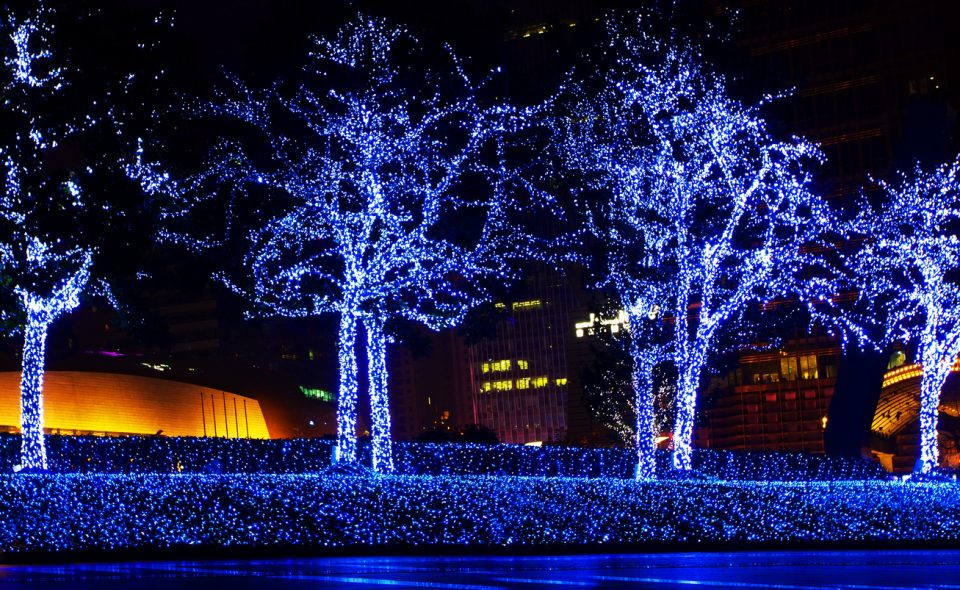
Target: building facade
x: 895, y: 429
x: 521, y: 379
x: 876, y: 84
x: 105, y: 404
x: 775, y: 401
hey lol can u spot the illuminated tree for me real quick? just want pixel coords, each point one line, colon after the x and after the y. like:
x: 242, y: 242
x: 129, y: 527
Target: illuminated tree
x: 46, y: 269
x: 613, y: 378
x: 392, y: 182
x: 61, y: 134
x: 704, y: 211
x: 605, y: 143
x: 909, y: 266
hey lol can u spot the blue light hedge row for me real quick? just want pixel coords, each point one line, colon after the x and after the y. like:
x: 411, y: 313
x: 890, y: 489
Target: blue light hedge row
x: 47, y: 514
x: 70, y: 454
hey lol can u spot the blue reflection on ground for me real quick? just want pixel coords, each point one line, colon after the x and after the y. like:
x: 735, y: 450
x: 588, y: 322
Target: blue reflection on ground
x: 870, y: 570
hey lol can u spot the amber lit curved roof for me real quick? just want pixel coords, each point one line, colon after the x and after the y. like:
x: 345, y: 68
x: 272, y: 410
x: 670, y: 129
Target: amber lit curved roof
x: 77, y: 402
x: 899, y: 403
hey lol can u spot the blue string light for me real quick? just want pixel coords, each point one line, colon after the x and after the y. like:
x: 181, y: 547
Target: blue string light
x: 375, y: 167
x: 907, y: 268
x: 706, y: 212
x: 48, y: 272
x: 52, y: 514
x: 153, y: 454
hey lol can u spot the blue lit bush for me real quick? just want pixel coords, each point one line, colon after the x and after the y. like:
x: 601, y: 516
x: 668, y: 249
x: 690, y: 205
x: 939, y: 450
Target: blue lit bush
x: 40, y: 514
x: 620, y: 463
x: 110, y: 494
x: 69, y: 454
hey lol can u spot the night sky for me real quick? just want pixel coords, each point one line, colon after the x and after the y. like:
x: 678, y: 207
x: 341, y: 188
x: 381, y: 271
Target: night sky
x: 261, y: 40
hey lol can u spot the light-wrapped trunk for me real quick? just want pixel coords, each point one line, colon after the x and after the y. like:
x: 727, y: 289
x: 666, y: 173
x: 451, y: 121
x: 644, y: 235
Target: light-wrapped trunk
x: 379, y: 396
x: 346, y: 451
x: 688, y: 382
x: 33, y: 453
x: 644, y: 433
x: 935, y: 372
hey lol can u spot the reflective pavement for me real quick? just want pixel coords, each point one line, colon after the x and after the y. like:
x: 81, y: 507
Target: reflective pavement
x: 861, y: 570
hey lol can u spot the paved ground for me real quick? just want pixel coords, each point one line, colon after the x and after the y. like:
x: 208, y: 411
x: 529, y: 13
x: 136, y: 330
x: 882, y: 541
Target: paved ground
x: 868, y: 570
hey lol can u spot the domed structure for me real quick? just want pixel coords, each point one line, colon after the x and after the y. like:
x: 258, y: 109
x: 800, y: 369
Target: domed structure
x: 77, y: 402
x: 895, y: 428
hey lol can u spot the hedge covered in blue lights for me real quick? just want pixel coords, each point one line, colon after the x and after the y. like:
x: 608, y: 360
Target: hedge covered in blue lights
x: 42, y: 514
x: 157, y: 454
x: 160, y: 494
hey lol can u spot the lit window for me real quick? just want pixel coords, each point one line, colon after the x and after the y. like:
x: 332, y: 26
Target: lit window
x: 287, y: 352
x: 532, y: 304
x: 503, y: 385
x: 788, y: 368
x: 808, y: 366
x: 539, y: 381
x: 897, y: 359
x: 320, y: 394
x: 486, y: 367
x: 523, y: 365
x: 486, y: 386
x: 562, y: 381
x: 523, y: 383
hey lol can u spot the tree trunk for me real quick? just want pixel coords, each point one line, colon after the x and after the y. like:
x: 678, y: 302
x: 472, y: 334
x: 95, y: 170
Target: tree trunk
x: 931, y: 383
x: 33, y: 453
x: 854, y: 401
x: 688, y: 381
x: 379, y: 396
x: 644, y: 435
x: 346, y: 451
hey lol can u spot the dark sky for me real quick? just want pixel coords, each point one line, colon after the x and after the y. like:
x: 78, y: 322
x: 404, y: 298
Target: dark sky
x: 260, y: 39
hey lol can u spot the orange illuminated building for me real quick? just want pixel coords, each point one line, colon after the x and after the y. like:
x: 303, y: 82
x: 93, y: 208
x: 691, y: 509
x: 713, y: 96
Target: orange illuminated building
x: 111, y: 404
x: 895, y: 432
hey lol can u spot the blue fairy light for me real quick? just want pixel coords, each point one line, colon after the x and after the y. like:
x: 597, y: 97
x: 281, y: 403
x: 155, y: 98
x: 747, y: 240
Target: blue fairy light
x: 48, y: 273
x: 705, y: 212
x: 907, y: 267
x: 375, y: 168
